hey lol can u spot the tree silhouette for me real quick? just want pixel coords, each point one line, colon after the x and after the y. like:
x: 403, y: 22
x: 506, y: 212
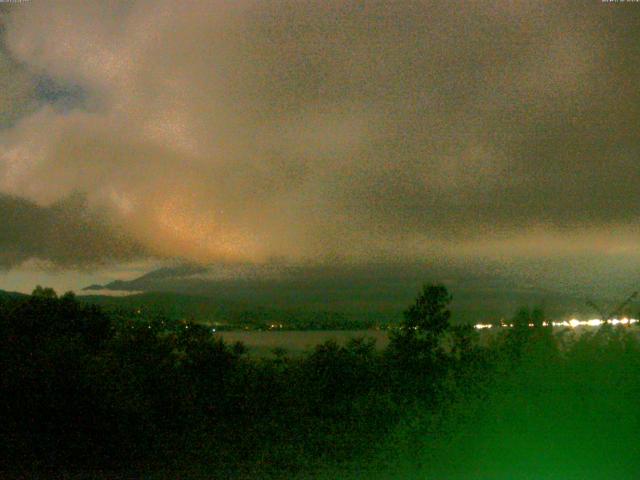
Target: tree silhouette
x: 415, y: 347
x: 44, y: 293
x: 430, y: 313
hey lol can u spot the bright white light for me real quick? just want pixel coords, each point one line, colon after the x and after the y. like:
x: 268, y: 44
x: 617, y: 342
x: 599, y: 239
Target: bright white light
x: 480, y: 326
x: 573, y: 323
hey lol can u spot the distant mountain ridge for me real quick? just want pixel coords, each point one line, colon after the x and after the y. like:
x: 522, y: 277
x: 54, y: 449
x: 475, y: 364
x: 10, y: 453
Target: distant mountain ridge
x: 368, y: 289
x: 164, y: 273
x: 15, y: 295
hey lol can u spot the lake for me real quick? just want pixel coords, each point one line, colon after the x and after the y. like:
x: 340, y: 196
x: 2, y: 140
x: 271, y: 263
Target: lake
x: 299, y: 341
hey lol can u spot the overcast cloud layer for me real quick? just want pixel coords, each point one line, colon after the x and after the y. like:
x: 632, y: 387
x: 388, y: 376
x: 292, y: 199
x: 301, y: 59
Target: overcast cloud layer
x: 310, y: 130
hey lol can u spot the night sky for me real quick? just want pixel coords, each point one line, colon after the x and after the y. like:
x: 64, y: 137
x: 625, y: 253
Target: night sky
x: 137, y: 133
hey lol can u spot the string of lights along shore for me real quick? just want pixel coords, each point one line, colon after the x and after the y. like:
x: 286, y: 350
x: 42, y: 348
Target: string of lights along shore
x: 573, y: 323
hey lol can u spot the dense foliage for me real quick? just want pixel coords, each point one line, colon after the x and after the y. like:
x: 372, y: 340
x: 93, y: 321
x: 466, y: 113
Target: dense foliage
x: 108, y: 396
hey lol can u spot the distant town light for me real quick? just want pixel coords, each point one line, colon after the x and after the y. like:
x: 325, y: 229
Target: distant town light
x: 481, y: 326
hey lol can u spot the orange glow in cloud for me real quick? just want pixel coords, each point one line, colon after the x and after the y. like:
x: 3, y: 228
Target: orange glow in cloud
x: 197, y: 236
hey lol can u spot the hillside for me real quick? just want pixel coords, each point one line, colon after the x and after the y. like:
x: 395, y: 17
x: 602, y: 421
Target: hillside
x: 302, y: 295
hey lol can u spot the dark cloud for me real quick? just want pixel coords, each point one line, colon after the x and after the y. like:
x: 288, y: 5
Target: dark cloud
x: 333, y: 129
x: 66, y: 234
